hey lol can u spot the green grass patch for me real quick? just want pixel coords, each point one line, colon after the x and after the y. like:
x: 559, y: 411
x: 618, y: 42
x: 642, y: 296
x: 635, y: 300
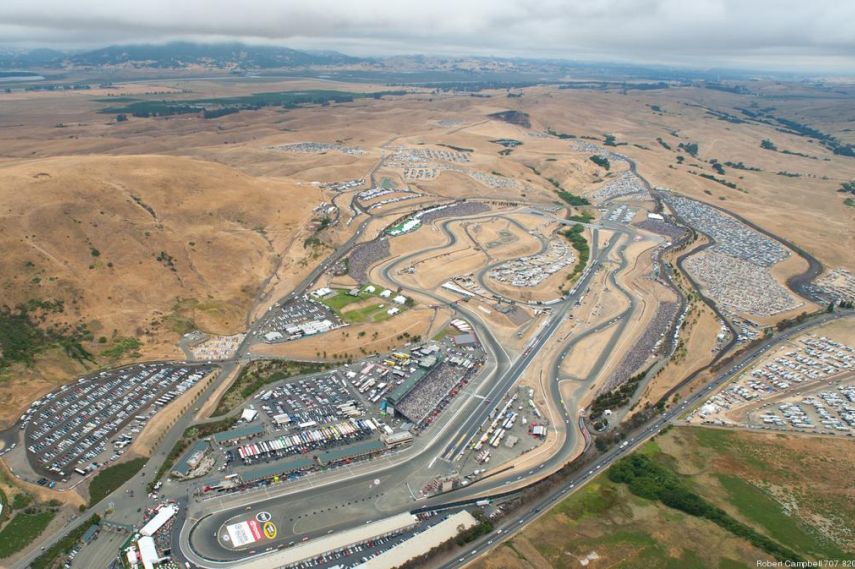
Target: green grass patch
x: 727, y: 563
x: 595, y: 499
x: 122, y: 347
x: 371, y: 313
x: 341, y: 299
x: 23, y: 530
x: 112, y: 477
x: 758, y: 507
x: 650, y: 448
x: 652, y: 480
x: 442, y: 334
x: 629, y: 537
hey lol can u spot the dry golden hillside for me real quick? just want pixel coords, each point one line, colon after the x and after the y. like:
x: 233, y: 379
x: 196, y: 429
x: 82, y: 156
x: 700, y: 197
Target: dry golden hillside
x: 143, y: 247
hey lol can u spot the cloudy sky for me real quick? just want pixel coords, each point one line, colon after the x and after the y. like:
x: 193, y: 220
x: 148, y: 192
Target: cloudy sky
x: 804, y: 35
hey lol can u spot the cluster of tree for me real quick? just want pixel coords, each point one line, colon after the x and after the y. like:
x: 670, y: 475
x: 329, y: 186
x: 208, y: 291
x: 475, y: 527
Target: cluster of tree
x: 623, y: 86
x: 561, y: 135
x: 742, y: 166
x: 577, y: 239
x: 790, y: 322
x: 583, y: 217
x: 727, y: 117
x: 24, y: 334
x: 652, y: 480
x: 284, y: 99
x: 617, y: 397
x: 601, y: 161
x: 690, y: 148
x: 827, y: 140
x: 518, y: 118
x: 573, y: 199
x: 715, y: 86
x: 469, y: 86
x: 216, y: 113
x: 847, y: 187
x: 484, y: 527
x: 718, y: 180
x: 59, y: 87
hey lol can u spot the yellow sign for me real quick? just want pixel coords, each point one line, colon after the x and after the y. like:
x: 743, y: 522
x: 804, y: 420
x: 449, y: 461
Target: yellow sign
x: 269, y: 530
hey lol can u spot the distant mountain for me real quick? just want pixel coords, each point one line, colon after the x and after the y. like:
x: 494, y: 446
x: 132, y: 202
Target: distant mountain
x: 25, y: 59
x: 222, y: 55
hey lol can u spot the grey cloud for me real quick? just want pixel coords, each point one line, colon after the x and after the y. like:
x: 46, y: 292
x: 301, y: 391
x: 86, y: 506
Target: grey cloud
x: 818, y: 34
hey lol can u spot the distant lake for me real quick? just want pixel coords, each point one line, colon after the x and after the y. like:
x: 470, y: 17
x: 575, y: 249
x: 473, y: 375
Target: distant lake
x: 19, y: 76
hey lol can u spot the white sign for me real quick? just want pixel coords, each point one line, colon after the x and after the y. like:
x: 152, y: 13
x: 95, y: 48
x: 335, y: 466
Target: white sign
x: 244, y: 533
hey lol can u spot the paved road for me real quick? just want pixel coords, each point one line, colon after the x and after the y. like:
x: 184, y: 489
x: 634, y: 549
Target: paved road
x: 517, y: 521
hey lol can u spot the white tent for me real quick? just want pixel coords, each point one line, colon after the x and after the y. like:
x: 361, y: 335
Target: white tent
x: 163, y: 515
x: 148, y: 552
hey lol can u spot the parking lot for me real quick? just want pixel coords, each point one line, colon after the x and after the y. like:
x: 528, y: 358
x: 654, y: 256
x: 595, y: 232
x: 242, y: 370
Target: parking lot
x: 532, y: 270
x: 332, y: 418
x: 808, y: 388
x: 624, y: 185
x: 69, y: 429
x: 735, y: 269
x: 319, y: 148
x: 295, y: 319
x: 731, y: 236
x: 515, y: 427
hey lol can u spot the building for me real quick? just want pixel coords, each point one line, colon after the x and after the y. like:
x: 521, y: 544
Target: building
x: 191, y: 460
x: 400, y: 299
x: 398, y: 439
x: 386, y: 293
x: 148, y: 552
x: 422, y: 543
x: 238, y: 434
x: 322, y: 292
x: 464, y: 339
